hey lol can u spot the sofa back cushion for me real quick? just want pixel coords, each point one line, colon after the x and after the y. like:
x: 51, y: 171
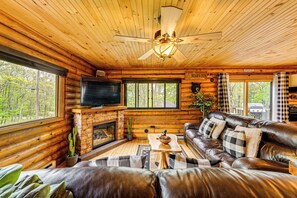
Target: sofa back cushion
x: 219, y: 115
x: 102, y: 181
x: 233, y: 120
x: 281, y: 153
x: 280, y: 133
x: 220, y: 182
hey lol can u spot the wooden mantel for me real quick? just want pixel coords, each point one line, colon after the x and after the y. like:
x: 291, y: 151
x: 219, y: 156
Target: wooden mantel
x: 86, y: 118
x: 95, y: 110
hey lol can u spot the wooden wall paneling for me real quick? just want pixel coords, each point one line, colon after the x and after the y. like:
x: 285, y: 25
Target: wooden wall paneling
x: 36, y: 146
x: 172, y: 120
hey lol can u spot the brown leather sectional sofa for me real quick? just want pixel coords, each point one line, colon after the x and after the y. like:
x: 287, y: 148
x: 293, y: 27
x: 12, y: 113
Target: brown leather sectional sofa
x: 93, y: 182
x: 278, y: 144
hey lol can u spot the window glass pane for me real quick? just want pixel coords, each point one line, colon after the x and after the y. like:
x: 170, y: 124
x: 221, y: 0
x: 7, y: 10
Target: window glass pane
x: 143, y: 95
x: 237, y: 98
x: 171, y: 89
x: 158, y: 95
x: 151, y: 94
x: 130, y: 94
x: 25, y: 94
x: 259, y: 100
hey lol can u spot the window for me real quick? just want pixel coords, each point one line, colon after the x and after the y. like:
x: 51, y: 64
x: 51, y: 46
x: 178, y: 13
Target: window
x: 27, y: 92
x: 251, y: 98
x: 161, y: 94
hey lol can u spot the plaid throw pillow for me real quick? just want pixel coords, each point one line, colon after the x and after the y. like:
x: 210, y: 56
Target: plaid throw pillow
x: 179, y: 161
x: 234, y: 143
x: 207, y: 127
x: 133, y: 161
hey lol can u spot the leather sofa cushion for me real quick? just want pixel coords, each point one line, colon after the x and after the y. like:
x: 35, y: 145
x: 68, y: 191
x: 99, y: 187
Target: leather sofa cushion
x: 280, y: 132
x: 260, y: 164
x: 234, y: 120
x: 219, y: 154
x: 204, y: 143
x: 255, y: 123
x: 218, y: 114
x: 220, y: 182
x: 102, y: 181
x: 271, y: 151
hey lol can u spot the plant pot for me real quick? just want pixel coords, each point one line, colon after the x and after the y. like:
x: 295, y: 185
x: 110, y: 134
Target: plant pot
x: 71, y: 161
x: 129, y: 136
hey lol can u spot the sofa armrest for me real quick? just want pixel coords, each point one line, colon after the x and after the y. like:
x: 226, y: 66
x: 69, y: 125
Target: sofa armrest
x: 260, y: 164
x: 191, y: 125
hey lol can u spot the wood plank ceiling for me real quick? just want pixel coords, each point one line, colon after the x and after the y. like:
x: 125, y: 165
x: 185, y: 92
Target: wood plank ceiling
x: 255, y: 32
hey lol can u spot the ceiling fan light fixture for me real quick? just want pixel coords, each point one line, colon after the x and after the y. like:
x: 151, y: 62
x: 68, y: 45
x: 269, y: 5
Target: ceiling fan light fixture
x: 164, y: 50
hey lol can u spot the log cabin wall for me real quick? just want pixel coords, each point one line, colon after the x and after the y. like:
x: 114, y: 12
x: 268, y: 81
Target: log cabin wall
x: 173, y: 120
x: 35, y: 147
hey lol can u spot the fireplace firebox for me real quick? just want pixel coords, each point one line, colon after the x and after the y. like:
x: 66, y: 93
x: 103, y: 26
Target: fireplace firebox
x: 103, y: 134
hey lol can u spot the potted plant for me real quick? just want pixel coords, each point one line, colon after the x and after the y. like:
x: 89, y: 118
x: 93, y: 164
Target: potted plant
x: 72, y: 157
x: 129, y: 129
x: 203, y: 102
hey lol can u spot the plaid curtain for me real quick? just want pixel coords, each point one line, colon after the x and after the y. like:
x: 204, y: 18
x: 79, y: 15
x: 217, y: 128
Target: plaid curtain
x: 282, y: 100
x: 223, y: 92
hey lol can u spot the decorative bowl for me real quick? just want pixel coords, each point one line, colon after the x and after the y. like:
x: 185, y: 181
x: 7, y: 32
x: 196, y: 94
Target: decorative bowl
x: 165, y: 139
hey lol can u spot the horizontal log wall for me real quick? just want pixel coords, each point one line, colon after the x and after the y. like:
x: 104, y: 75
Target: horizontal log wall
x: 172, y: 120
x: 36, y: 146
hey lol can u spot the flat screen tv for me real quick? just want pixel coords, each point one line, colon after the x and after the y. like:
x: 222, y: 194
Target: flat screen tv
x: 96, y: 92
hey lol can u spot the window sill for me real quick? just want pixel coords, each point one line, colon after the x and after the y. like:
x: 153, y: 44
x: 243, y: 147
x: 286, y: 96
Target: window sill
x: 30, y: 124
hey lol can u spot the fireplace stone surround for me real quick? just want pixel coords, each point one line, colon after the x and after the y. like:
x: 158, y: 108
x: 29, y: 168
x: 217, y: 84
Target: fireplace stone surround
x: 86, y: 118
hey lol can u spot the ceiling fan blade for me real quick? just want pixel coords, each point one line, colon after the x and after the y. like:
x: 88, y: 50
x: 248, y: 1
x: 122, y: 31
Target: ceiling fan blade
x: 133, y: 39
x: 201, y: 37
x: 169, y: 19
x: 146, y: 55
x: 179, y: 57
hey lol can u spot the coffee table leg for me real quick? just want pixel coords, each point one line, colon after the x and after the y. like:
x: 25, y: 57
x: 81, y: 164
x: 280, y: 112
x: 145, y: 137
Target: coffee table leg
x: 163, y: 164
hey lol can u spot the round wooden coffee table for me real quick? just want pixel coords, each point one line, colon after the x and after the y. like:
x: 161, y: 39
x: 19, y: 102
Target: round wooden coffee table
x: 164, y: 149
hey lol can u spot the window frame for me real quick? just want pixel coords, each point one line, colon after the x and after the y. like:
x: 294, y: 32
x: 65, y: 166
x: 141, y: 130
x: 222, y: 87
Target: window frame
x: 251, y: 78
x: 25, y: 60
x: 150, y: 93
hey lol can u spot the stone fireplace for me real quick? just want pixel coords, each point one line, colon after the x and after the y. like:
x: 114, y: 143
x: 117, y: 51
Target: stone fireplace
x: 103, y: 134
x: 89, y: 120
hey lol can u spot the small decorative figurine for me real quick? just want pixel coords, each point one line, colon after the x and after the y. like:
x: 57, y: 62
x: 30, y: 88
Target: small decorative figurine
x: 164, y: 138
x: 164, y: 132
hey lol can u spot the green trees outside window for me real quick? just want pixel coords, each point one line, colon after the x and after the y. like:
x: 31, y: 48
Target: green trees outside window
x: 26, y: 94
x: 152, y: 95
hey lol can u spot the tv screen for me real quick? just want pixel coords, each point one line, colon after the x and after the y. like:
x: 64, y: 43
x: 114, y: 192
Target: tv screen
x: 96, y: 92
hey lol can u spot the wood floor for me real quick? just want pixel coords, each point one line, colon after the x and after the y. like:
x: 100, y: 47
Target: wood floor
x: 130, y: 148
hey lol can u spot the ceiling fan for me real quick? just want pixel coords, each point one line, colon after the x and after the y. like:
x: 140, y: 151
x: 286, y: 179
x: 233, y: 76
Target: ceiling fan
x: 165, y: 40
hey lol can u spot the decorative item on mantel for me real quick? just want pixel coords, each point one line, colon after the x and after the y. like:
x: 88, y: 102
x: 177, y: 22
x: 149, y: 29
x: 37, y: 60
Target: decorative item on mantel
x: 72, y: 157
x: 203, y: 102
x: 129, y: 128
x: 164, y: 138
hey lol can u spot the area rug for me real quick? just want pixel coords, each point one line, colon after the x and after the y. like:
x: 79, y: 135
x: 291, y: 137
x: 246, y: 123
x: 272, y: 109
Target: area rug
x: 152, y: 159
